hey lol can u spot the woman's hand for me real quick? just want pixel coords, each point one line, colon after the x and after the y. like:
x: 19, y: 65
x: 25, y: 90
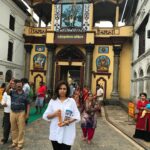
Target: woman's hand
x: 57, y: 113
x: 64, y: 123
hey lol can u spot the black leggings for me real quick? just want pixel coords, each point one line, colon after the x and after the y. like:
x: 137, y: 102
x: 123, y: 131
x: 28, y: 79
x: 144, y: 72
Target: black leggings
x: 57, y: 146
x: 6, y: 126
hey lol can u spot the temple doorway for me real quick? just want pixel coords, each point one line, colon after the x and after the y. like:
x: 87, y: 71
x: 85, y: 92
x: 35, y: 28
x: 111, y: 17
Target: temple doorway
x: 72, y: 74
x: 70, y: 65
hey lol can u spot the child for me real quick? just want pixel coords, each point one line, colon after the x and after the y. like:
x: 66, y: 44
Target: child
x: 145, y: 110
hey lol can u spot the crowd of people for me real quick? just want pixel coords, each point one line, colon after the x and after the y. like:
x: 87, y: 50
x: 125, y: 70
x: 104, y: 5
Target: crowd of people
x: 68, y: 105
x: 16, y: 99
x: 16, y: 103
x: 69, y: 100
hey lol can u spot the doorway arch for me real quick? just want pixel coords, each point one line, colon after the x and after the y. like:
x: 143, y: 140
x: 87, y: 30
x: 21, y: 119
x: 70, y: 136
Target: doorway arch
x: 70, y: 53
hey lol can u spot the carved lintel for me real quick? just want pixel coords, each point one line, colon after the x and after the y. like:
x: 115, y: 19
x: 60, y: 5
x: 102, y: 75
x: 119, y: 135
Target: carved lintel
x: 37, y: 70
x: 101, y: 73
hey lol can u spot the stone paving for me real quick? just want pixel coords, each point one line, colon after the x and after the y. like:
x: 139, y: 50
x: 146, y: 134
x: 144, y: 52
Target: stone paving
x: 106, y: 138
x: 118, y: 117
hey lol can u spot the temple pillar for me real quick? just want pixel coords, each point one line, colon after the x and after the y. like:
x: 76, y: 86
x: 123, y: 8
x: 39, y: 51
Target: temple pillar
x: 88, y: 65
x: 115, y: 93
x: 50, y: 66
x: 28, y: 49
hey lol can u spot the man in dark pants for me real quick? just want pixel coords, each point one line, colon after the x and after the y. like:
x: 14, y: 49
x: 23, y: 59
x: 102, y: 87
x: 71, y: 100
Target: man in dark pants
x: 6, y: 102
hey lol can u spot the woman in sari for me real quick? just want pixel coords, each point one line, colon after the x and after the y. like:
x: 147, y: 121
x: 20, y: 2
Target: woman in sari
x: 143, y: 123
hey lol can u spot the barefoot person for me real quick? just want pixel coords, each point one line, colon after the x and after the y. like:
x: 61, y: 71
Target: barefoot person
x: 89, y: 118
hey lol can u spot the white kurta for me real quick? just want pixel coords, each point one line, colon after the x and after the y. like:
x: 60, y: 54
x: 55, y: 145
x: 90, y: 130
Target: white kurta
x: 66, y: 134
x: 100, y: 93
x: 6, y: 100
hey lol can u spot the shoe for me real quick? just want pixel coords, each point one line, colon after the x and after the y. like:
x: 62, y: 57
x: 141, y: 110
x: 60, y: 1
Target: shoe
x: 3, y: 141
x: 13, y: 145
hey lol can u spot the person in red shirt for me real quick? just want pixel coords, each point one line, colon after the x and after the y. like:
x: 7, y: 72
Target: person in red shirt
x: 40, y: 97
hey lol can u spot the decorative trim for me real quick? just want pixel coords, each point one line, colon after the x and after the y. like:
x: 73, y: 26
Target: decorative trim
x: 101, y: 73
x: 147, y: 78
x: 111, y: 40
x: 141, y: 57
x: 35, y: 39
x: 11, y: 33
x: 36, y: 70
x: 11, y: 65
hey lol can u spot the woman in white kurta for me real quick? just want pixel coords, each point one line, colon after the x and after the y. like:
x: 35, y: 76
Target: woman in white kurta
x: 62, y: 136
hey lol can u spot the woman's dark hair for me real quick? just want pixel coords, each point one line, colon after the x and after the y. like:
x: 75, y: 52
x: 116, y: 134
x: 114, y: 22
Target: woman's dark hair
x: 143, y: 94
x: 59, y: 84
x: 4, y: 87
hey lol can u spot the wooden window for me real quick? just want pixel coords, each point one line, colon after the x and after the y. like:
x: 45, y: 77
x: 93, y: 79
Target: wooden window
x: 141, y: 42
x: 12, y: 23
x: 10, y: 51
x: 142, y: 32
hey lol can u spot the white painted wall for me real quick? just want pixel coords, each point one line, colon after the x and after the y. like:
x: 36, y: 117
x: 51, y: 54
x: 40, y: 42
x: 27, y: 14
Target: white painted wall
x: 143, y: 61
x: 7, y: 7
